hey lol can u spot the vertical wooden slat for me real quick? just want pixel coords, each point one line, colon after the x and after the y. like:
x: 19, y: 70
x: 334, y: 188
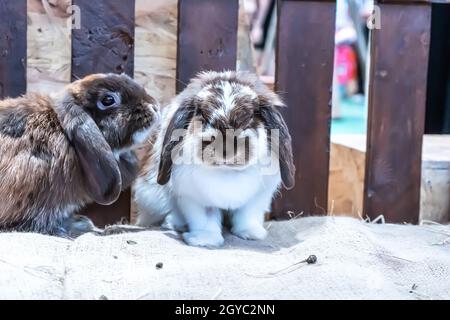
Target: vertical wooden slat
x: 397, y: 91
x: 105, y: 43
x: 304, y: 76
x: 207, y: 37
x: 13, y: 47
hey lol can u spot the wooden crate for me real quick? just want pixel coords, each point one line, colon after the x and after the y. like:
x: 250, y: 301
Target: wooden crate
x: 348, y: 153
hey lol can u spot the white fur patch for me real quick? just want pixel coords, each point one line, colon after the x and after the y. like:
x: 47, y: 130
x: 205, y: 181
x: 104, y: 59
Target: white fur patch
x: 139, y: 137
x: 246, y: 90
x: 142, y: 135
x: 204, y: 93
x: 228, y: 97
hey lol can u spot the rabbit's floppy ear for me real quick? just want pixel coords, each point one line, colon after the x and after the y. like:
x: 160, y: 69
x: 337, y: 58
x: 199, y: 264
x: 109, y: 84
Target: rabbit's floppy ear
x: 180, y: 120
x: 100, y: 168
x: 274, y: 120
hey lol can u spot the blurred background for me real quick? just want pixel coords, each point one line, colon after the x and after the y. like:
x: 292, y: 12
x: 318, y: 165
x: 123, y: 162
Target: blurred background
x: 351, y: 54
x: 349, y: 113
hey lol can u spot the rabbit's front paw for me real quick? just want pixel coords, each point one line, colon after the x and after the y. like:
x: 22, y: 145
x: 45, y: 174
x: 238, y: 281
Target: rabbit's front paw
x: 174, y: 222
x: 78, y: 225
x: 203, y: 239
x: 254, y: 232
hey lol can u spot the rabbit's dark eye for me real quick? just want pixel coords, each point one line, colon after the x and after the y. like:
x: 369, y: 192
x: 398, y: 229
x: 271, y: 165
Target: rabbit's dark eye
x: 109, y: 100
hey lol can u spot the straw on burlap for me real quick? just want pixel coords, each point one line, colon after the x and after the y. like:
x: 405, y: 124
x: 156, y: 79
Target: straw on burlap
x: 355, y: 260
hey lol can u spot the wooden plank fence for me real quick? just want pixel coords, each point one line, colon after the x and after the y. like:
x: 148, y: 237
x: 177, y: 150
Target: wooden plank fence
x: 13, y: 48
x: 304, y: 77
x: 207, y: 40
x: 105, y: 43
x: 397, y: 91
x: 207, y: 37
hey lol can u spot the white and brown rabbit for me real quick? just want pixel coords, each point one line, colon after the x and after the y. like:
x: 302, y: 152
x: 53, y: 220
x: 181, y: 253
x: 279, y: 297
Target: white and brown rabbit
x: 223, y: 147
x: 61, y: 152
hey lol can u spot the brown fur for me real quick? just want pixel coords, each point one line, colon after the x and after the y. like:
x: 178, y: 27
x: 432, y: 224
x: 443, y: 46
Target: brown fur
x: 56, y: 154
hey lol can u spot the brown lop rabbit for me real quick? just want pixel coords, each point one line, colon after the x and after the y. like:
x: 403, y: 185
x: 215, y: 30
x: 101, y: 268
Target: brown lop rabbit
x: 63, y: 151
